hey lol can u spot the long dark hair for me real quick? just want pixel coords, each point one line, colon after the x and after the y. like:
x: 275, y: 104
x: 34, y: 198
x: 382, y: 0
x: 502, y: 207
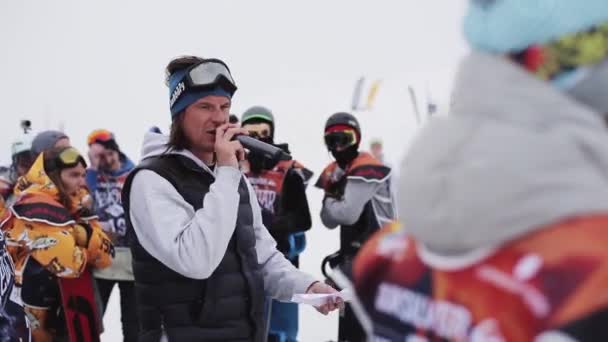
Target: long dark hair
x: 55, y: 175
x: 177, y: 137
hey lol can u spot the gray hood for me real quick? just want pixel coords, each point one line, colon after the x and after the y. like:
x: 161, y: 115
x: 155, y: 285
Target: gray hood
x: 514, y: 155
x: 155, y: 144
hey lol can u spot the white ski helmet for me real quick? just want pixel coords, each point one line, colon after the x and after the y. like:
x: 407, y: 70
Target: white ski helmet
x: 21, y: 144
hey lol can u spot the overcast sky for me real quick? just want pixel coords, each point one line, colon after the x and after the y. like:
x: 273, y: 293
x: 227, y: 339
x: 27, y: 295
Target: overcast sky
x: 83, y: 65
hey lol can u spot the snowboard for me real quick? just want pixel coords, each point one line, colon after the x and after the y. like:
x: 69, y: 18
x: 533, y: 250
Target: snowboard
x: 79, y: 306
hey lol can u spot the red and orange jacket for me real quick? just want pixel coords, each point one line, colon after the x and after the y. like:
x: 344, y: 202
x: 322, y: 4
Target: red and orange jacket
x: 550, y: 282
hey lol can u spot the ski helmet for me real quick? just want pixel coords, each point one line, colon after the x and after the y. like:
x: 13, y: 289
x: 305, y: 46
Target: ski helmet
x: 22, y: 157
x: 340, y: 122
x: 343, y: 119
x: 21, y: 145
x: 259, y: 114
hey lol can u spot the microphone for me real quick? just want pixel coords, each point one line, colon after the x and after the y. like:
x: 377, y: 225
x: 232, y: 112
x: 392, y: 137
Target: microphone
x: 267, y: 150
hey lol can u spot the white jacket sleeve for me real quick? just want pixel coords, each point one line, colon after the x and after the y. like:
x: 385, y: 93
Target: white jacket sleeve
x: 281, y: 279
x: 190, y: 242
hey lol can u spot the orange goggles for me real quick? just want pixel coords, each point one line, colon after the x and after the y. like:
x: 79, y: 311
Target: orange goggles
x: 99, y: 135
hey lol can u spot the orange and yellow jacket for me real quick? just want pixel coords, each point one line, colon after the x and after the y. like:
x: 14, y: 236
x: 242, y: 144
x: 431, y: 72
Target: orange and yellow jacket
x: 63, y: 240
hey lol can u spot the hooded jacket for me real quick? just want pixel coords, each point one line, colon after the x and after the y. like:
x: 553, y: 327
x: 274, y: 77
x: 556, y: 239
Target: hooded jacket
x: 194, y: 240
x: 504, y: 205
x: 170, y: 245
x: 365, y: 201
x: 39, y: 226
x: 106, y: 188
x: 514, y: 155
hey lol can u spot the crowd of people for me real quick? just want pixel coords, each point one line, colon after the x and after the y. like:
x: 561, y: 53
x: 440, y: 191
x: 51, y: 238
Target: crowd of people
x: 497, y: 233
x: 202, y: 238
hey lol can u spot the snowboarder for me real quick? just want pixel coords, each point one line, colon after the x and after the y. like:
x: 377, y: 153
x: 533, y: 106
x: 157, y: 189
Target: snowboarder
x: 280, y: 187
x: 105, y: 179
x: 52, y: 234
x: 358, y: 198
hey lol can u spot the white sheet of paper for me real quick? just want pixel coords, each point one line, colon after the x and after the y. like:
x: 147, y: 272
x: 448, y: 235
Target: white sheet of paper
x: 318, y: 299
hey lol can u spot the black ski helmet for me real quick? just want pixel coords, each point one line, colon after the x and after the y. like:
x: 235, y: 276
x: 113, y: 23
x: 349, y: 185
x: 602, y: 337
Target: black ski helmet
x: 343, y: 118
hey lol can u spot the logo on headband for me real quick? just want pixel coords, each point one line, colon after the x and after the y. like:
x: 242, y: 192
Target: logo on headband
x: 177, y: 92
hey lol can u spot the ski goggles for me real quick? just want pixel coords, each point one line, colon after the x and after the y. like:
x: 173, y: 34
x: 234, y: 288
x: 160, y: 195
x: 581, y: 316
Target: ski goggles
x: 340, y: 140
x: 207, y: 74
x: 99, y: 135
x: 566, y: 55
x: 69, y: 157
x: 258, y: 131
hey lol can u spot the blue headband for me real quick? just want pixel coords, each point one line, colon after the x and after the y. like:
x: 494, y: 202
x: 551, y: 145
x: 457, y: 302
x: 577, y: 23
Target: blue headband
x: 190, y: 95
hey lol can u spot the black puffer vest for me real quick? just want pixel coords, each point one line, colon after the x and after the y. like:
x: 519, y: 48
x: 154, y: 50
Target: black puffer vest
x: 227, y: 306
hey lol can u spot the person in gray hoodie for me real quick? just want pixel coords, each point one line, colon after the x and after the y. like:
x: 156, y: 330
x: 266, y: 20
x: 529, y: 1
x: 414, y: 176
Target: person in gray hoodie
x: 202, y: 259
x: 504, y: 202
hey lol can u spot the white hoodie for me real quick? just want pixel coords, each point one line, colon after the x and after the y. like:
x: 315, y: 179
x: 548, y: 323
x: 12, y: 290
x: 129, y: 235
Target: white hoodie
x: 515, y: 154
x: 193, y: 243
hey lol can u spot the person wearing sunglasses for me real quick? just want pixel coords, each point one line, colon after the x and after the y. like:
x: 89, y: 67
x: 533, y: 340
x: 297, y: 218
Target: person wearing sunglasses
x: 105, y: 179
x: 52, y: 232
x: 202, y: 259
x: 505, y: 201
x: 358, y: 198
x: 280, y: 187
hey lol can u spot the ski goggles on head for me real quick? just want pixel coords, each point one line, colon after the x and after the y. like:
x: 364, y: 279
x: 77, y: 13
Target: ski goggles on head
x: 563, y: 56
x: 207, y: 74
x: 69, y: 157
x: 339, y: 140
x: 99, y: 135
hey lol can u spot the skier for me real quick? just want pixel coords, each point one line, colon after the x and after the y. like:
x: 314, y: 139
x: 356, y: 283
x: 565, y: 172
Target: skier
x: 280, y: 187
x: 52, y: 233
x: 504, y: 201
x: 358, y: 197
x: 105, y: 178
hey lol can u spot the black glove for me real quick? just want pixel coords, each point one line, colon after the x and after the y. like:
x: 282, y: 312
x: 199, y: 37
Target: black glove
x: 336, y: 189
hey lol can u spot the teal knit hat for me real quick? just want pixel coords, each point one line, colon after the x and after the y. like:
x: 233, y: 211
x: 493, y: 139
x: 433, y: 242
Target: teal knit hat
x: 504, y: 26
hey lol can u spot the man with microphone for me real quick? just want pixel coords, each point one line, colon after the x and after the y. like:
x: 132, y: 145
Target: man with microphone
x: 202, y: 259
